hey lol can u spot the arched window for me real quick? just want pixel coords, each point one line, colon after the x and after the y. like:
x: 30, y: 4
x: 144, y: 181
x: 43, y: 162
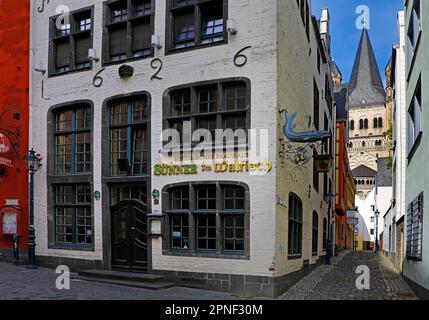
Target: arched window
x: 375, y: 123
x: 129, y: 136
x: 351, y: 144
x: 325, y: 233
x: 352, y: 125
x: 295, y: 226
x: 361, y: 124
x: 70, y: 149
x: 365, y: 124
x: 380, y: 122
x: 363, y: 144
x: 315, y: 234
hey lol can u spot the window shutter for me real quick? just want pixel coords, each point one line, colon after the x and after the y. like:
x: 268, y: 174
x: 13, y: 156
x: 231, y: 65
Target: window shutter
x: 141, y: 37
x: 62, y: 55
x: 118, y: 42
x: 82, y: 47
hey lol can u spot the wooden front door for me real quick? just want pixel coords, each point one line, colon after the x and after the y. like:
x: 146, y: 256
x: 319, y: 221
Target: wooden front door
x: 129, y: 237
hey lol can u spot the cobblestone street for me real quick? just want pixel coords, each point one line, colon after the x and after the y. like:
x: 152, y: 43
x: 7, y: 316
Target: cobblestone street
x: 338, y: 281
x: 18, y: 283
x: 334, y: 282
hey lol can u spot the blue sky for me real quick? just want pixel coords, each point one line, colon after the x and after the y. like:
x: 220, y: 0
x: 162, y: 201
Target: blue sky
x: 345, y: 35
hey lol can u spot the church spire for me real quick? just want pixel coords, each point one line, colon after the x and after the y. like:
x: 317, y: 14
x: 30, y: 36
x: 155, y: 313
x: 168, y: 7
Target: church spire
x: 365, y: 84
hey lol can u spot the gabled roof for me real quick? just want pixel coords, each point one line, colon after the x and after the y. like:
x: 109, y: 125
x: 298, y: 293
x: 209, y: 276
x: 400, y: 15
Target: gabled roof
x: 363, y: 171
x: 340, y: 96
x: 334, y: 69
x: 365, y: 82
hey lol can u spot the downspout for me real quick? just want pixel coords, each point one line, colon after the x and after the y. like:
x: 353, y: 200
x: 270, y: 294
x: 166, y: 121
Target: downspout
x: 31, y: 64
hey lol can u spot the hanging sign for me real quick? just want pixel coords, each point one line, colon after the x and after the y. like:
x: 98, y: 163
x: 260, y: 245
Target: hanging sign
x: 5, y: 162
x: 5, y: 145
x: 5, y: 149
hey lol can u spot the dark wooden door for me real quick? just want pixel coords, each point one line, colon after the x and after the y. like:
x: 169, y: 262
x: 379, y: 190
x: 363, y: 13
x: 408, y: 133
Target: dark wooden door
x: 129, y: 237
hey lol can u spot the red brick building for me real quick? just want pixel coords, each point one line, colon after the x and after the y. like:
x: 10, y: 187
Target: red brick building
x: 14, y: 120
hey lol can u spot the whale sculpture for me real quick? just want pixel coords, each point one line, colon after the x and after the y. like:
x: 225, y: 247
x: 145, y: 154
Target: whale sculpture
x: 303, y: 136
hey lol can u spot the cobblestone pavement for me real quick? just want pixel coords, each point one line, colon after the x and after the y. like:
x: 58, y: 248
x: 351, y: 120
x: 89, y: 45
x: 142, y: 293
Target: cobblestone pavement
x: 338, y: 281
x: 18, y: 283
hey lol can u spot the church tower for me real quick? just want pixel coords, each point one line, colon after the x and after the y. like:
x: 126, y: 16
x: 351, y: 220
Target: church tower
x: 367, y: 117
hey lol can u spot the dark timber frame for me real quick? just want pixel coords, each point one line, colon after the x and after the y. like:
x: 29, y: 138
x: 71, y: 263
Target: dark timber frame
x: 166, y: 247
x: 108, y: 179
x: 169, y: 34
x: 194, y: 87
x: 71, y: 179
x: 106, y: 41
x: 52, y: 37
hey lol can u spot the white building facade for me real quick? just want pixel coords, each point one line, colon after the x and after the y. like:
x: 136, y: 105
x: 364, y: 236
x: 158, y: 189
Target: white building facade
x: 395, y: 249
x: 235, y: 223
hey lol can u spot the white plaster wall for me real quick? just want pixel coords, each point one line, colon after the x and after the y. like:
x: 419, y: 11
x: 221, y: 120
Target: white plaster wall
x: 256, y: 24
x: 387, y: 222
x: 400, y: 128
x: 382, y: 202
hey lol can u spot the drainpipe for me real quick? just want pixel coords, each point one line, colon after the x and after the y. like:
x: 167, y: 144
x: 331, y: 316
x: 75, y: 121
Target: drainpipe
x: 30, y: 84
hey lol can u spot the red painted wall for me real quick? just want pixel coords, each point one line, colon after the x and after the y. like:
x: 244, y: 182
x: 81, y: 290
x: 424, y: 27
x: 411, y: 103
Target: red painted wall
x: 341, y: 172
x: 14, y: 96
x: 341, y: 198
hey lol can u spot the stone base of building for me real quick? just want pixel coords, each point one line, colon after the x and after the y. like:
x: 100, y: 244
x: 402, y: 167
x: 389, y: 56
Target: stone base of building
x: 254, y: 286
x: 75, y: 265
x: 247, y: 285
x: 420, y: 291
x: 6, y: 255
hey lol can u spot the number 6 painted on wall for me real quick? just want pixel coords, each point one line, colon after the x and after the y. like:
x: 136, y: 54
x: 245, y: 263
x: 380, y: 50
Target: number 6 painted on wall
x: 239, y: 55
x: 98, y: 80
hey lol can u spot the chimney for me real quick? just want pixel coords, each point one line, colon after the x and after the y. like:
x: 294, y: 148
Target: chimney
x: 324, y: 30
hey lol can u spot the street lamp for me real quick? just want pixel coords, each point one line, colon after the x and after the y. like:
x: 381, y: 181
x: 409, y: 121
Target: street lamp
x: 377, y: 213
x: 328, y: 238
x: 33, y: 162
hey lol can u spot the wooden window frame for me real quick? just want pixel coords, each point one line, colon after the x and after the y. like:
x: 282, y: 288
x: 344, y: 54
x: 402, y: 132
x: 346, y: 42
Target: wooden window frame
x: 72, y: 37
x: 219, y: 213
x: 131, y: 19
x: 315, y: 234
x: 131, y: 126
x: 73, y: 132
x: 220, y: 113
x: 197, y: 6
x: 295, y: 227
x: 74, y: 205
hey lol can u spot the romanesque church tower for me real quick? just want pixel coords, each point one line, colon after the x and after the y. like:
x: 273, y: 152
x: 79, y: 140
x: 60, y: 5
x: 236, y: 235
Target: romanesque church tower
x: 367, y: 117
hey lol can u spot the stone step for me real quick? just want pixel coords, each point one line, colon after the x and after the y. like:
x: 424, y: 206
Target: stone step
x: 122, y: 276
x: 128, y: 283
